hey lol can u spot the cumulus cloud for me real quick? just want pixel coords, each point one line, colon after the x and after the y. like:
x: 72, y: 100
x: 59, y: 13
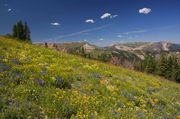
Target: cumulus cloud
x: 90, y: 21
x: 9, y: 10
x: 145, y: 11
x: 106, y: 15
x: 55, y: 23
x: 101, y: 39
x: 120, y: 36
x: 113, y: 16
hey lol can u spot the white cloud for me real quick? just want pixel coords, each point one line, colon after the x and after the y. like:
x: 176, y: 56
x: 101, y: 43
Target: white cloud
x: 55, y: 24
x: 113, y: 16
x: 90, y: 21
x: 101, y: 39
x: 120, y: 36
x: 106, y: 15
x: 145, y: 11
x: 76, y: 33
x: 127, y: 34
x: 134, y: 32
x: 9, y: 10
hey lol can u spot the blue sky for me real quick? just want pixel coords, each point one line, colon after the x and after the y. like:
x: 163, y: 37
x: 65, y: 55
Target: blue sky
x: 101, y: 22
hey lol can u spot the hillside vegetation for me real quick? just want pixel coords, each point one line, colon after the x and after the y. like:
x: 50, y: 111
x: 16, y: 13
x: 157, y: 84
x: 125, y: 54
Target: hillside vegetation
x: 104, y: 54
x: 126, y: 55
x: 40, y: 83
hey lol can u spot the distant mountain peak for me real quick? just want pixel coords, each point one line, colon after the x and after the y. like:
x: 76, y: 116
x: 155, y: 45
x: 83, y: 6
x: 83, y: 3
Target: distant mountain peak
x: 88, y: 48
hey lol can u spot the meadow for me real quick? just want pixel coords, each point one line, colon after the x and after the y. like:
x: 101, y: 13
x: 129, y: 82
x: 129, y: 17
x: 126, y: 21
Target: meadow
x: 39, y: 83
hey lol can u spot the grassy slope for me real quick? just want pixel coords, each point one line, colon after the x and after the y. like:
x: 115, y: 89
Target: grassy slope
x: 27, y: 87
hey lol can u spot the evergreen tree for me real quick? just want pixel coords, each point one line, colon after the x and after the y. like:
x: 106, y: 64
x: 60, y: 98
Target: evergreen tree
x: 14, y: 34
x: 21, y: 31
x: 27, y: 32
x: 175, y: 68
x: 162, y: 66
x: 150, y: 65
x: 176, y: 74
x: 46, y: 45
x: 166, y: 66
x: 170, y: 66
x: 139, y: 66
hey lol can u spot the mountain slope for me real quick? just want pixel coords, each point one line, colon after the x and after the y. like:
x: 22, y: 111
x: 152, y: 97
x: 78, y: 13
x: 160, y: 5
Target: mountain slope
x: 148, y: 47
x: 36, y: 82
x: 105, y: 54
x: 125, y: 54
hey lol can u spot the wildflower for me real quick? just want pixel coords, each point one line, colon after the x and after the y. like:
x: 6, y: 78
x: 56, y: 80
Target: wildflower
x: 58, y: 81
x: 1, y: 57
x: 43, y: 72
x: 103, y: 82
x: 4, y: 67
x: 38, y: 81
x: 53, y: 79
x: 178, y: 116
x: 62, y: 84
x: 155, y: 100
x: 98, y: 76
x: 95, y: 113
x: 118, y: 110
x: 15, y: 61
x: 18, y: 75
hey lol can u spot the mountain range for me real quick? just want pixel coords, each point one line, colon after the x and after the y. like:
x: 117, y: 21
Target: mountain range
x: 124, y: 54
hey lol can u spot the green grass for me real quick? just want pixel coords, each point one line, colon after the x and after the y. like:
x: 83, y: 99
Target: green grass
x: 40, y: 83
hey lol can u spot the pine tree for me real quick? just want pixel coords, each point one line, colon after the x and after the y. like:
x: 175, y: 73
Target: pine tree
x: 176, y: 74
x: 150, y: 65
x: 14, y: 32
x: 46, y: 45
x: 175, y: 68
x: 166, y: 66
x: 162, y: 66
x: 27, y: 32
x: 21, y: 31
x: 170, y: 67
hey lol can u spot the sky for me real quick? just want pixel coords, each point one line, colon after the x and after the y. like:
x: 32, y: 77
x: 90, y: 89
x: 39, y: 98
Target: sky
x: 100, y: 22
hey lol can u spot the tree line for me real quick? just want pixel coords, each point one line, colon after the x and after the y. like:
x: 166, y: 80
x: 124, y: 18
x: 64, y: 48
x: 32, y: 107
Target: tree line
x: 165, y: 66
x: 21, y: 31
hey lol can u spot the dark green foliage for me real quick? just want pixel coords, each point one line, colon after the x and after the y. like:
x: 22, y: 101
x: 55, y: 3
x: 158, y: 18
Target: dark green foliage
x: 21, y: 31
x: 105, y: 57
x: 15, y: 34
x: 46, y: 45
x: 162, y: 66
x: 166, y: 66
x: 150, y: 65
x: 27, y: 32
x: 176, y: 74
